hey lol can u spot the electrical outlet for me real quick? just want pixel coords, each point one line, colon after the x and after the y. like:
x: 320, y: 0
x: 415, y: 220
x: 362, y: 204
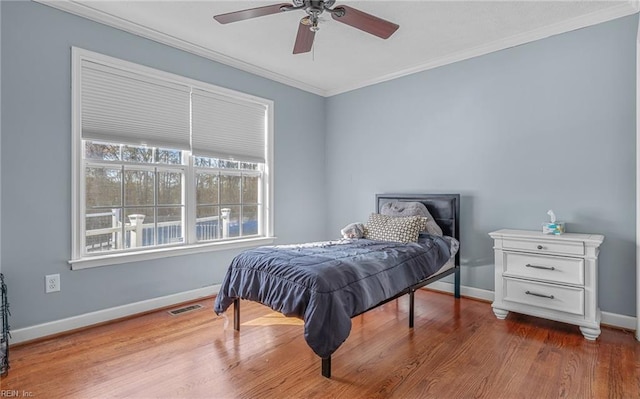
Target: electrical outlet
x: 51, y: 283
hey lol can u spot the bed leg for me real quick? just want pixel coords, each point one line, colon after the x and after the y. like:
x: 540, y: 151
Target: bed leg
x: 456, y: 283
x: 326, y: 367
x: 236, y: 314
x: 411, y: 306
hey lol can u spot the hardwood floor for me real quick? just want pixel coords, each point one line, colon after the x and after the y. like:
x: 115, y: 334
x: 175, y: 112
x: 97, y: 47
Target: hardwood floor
x: 458, y: 349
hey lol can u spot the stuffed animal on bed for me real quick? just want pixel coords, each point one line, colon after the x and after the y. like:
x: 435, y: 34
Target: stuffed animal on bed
x: 353, y: 230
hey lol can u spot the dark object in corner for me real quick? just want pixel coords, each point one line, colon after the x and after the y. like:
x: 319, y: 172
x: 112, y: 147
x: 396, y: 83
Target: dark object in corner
x: 4, y: 340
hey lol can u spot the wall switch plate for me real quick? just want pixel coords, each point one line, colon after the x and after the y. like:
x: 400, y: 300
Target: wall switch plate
x: 51, y: 283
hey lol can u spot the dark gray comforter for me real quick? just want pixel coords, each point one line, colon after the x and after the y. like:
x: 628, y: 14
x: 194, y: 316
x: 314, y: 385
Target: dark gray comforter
x: 327, y: 283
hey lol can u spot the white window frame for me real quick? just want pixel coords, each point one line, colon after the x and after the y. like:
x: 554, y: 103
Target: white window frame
x: 80, y: 261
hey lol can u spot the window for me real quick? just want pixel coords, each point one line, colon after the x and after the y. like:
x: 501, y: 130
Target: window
x: 134, y: 197
x: 230, y: 192
x: 164, y: 165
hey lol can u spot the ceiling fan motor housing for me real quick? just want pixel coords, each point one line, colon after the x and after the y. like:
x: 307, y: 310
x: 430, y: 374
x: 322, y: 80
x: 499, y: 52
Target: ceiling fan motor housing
x: 315, y: 7
x: 314, y: 3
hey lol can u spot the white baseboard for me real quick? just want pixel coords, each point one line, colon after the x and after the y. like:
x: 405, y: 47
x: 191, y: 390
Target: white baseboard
x: 619, y: 320
x: 610, y: 319
x: 470, y: 292
x: 101, y: 316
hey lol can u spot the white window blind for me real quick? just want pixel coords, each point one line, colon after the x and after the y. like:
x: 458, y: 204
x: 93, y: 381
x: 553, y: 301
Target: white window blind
x: 125, y: 107
x: 228, y: 128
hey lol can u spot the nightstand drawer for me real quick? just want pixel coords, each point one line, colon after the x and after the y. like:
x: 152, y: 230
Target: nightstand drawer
x: 541, y: 295
x: 548, y: 268
x: 544, y: 246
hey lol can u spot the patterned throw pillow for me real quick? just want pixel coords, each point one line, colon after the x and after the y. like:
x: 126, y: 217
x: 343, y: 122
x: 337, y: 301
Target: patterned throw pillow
x: 388, y: 228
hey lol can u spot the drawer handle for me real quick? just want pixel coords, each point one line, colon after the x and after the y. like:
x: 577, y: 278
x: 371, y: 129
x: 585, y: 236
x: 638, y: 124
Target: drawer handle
x: 540, y: 247
x: 540, y: 295
x: 540, y: 267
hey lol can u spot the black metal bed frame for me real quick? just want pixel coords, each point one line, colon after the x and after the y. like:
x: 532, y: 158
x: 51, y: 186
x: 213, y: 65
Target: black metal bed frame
x: 445, y: 209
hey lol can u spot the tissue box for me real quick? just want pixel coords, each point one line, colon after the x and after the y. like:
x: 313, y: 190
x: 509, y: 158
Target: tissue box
x: 553, y: 228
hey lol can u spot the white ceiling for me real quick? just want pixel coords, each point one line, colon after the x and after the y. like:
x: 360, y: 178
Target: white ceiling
x: 431, y: 34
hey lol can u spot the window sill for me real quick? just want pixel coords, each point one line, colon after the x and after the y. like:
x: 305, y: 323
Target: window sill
x: 116, y: 259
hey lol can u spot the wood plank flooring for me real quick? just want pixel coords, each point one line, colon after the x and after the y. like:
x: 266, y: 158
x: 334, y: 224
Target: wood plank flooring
x: 458, y: 349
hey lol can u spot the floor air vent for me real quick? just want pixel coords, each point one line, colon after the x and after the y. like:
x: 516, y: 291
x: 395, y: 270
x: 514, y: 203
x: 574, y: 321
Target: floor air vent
x: 185, y: 309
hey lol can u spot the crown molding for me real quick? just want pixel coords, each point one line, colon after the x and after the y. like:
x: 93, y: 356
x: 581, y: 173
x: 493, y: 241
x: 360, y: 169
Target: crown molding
x: 622, y: 10
x: 83, y: 10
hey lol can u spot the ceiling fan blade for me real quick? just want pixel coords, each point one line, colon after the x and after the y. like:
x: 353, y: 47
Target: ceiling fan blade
x: 250, y: 13
x: 363, y: 21
x: 304, y: 39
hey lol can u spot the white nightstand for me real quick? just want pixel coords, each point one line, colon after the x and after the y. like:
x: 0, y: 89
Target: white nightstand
x: 549, y: 276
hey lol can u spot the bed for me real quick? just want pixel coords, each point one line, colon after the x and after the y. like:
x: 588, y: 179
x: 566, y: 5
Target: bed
x: 328, y: 283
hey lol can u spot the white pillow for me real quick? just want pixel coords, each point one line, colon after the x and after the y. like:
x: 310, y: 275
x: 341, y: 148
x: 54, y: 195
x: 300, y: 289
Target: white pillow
x: 414, y: 208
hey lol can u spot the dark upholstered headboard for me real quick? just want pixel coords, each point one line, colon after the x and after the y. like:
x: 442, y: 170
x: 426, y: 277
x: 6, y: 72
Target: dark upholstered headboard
x: 445, y: 209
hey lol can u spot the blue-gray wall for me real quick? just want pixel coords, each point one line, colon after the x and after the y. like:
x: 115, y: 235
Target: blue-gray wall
x: 546, y: 125
x: 36, y: 166
x: 550, y: 124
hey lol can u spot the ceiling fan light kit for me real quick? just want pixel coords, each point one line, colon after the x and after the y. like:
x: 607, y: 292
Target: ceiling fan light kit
x: 308, y: 25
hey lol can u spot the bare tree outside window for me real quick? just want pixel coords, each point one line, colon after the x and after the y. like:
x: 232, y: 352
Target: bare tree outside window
x: 135, y: 197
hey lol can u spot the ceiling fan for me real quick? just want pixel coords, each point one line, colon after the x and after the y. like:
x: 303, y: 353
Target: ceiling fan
x: 309, y: 25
